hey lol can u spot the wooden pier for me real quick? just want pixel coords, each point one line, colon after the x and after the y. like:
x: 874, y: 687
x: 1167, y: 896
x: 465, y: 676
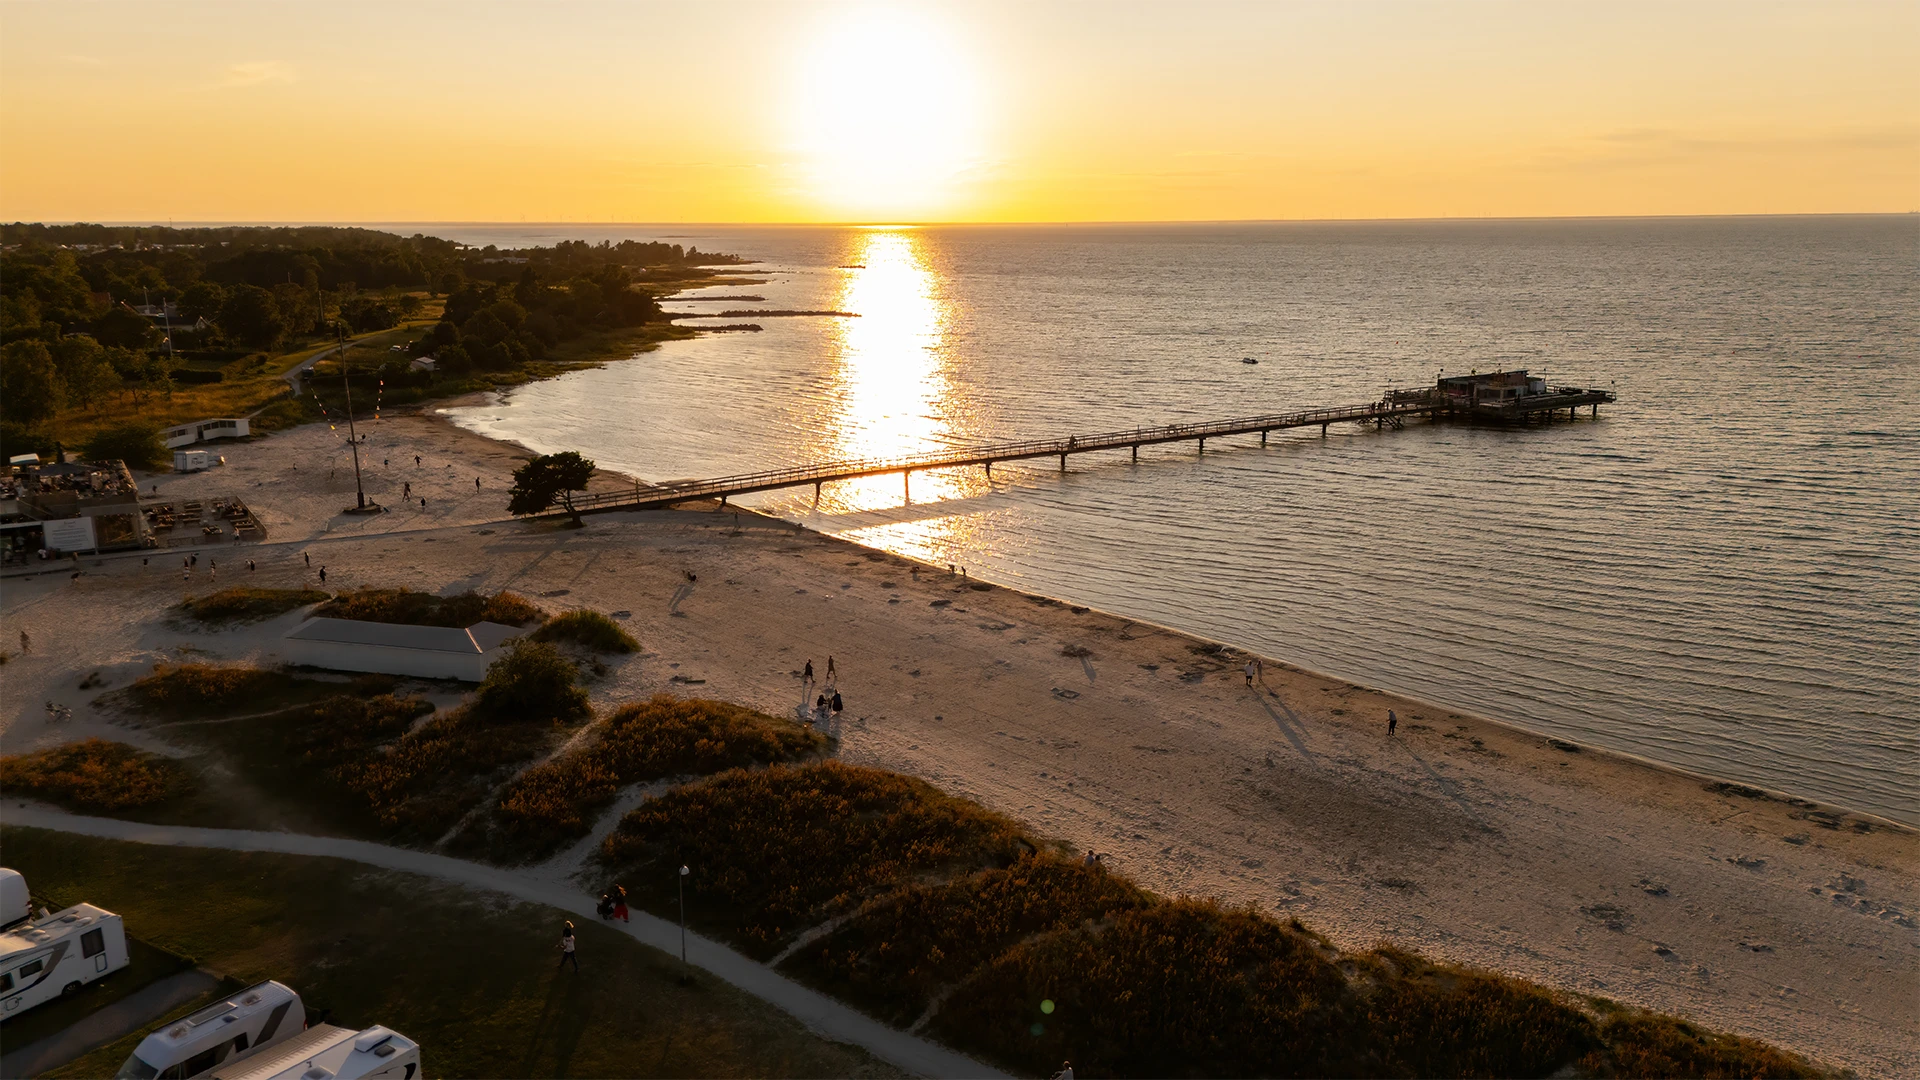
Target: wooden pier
x: 1392, y: 410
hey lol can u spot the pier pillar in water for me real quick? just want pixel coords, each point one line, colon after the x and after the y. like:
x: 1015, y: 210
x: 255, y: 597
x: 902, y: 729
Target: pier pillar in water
x: 906, y: 484
x: 1203, y: 446
x: 1063, y: 463
x: 1596, y: 410
x: 1263, y: 438
x: 989, y: 470
x: 816, y: 493
x: 1323, y: 431
x: 1136, y: 452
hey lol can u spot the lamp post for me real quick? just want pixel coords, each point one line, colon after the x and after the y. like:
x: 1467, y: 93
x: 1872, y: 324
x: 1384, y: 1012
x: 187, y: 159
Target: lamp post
x: 686, y: 972
x: 353, y: 438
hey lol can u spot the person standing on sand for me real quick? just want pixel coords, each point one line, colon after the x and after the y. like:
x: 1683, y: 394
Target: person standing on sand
x: 806, y: 676
x: 566, y: 948
x: 323, y: 575
x: 416, y: 461
x: 26, y: 643
x: 620, y: 902
x: 476, y: 483
x: 832, y: 675
x: 308, y: 555
x: 1392, y: 721
x: 837, y: 706
x: 1249, y: 673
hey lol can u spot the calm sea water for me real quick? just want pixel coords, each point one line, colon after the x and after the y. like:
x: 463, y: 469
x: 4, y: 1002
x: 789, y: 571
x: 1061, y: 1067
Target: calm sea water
x: 1721, y: 572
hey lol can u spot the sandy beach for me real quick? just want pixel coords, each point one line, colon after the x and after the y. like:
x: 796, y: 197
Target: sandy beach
x: 1457, y: 836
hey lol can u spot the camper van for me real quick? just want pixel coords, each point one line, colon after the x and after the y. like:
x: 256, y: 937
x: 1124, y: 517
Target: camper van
x: 226, y: 1032
x: 55, y: 955
x: 15, y: 905
x: 325, y: 1052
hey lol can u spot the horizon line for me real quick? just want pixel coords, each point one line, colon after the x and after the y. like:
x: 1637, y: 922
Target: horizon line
x: 903, y: 224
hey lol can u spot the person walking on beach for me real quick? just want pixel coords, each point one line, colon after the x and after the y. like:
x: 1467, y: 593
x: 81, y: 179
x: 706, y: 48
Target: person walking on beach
x: 566, y: 948
x: 308, y: 555
x: 476, y: 483
x: 406, y: 489
x: 26, y: 643
x: 832, y: 675
x: 1392, y: 721
x: 323, y: 575
x: 1249, y: 673
x: 806, y: 676
x: 416, y: 461
x: 837, y: 705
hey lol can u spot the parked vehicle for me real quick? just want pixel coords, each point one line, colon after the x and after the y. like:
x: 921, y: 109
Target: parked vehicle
x: 252, y: 1021
x: 56, y: 954
x: 15, y: 905
x: 333, y: 1053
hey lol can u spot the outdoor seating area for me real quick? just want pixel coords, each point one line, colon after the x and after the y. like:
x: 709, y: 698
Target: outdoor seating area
x: 196, y: 521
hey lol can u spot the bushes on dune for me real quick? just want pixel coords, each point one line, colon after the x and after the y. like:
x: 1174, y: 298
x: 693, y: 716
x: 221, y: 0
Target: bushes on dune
x: 555, y: 802
x: 588, y: 629
x: 777, y: 850
x: 247, y: 605
x: 900, y: 953
x: 181, y: 690
x: 1651, y: 1045
x: 425, y: 609
x: 94, y: 774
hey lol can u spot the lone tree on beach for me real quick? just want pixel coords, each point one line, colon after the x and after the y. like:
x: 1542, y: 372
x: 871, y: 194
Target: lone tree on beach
x: 547, y: 479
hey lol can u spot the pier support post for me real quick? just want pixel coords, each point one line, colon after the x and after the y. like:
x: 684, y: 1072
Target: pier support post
x: 989, y: 470
x: 1203, y: 446
x: 1596, y: 410
x: 1263, y: 438
x: 1063, y: 463
x: 1323, y: 431
x: 906, y: 484
x: 816, y: 493
x: 1136, y: 453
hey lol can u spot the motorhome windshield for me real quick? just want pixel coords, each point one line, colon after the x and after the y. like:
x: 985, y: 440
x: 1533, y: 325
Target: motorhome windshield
x: 135, y: 1069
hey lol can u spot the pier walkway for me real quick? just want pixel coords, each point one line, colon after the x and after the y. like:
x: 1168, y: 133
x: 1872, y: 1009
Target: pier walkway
x: 1391, y: 411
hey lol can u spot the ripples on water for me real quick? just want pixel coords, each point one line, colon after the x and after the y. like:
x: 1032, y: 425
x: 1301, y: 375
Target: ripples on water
x: 1720, y: 573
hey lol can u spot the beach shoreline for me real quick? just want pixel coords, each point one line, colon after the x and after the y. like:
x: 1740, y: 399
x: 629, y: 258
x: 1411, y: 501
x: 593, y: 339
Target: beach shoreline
x: 1464, y: 837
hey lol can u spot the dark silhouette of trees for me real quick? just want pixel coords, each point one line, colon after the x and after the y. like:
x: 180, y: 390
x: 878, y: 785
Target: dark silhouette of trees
x: 547, y: 479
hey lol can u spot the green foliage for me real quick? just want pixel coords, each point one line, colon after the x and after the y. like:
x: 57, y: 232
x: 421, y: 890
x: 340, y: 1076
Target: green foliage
x: 898, y: 954
x: 30, y: 391
x: 546, y: 479
x: 425, y: 609
x: 1650, y: 1045
x: 252, y: 316
x: 86, y: 375
x: 181, y: 690
x: 555, y: 802
x: 94, y: 775
x: 589, y: 629
x: 776, y: 850
x: 240, y: 604
x: 138, y: 444
x: 532, y: 683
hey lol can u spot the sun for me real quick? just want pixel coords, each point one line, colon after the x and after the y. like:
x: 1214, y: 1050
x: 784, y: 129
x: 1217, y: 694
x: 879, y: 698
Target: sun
x: 886, y: 115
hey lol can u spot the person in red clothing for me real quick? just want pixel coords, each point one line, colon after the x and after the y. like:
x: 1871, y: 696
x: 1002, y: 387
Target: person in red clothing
x: 620, y: 902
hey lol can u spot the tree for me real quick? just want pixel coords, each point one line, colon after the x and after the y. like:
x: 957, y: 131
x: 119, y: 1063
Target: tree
x: 138, y: 444
x: 29, y: 383
x: 202, y: 300
x: 86, y: 376
x: 127, y: 329
x: 532, y: 681
x: 546, y: 479
x: 251, y: 316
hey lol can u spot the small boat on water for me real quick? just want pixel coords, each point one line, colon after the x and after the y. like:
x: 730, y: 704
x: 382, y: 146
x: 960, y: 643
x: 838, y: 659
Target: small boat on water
x: 1248, y: 360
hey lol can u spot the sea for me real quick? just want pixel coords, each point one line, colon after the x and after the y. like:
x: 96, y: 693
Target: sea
x: 1719, y: 572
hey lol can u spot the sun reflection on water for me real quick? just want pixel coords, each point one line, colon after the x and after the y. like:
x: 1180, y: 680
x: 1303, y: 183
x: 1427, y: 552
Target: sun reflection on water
x: 893, y: 393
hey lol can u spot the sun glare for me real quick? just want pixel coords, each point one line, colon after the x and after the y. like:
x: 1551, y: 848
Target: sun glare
x: 886, y: 116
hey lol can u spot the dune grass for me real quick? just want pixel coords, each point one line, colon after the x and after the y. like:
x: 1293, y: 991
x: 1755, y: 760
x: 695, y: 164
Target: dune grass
x: 554, y: 803
x: 94, y: 775
x: 425, y: 609
x: 588, y: 629
x: 176, y: 692
x: 470, y: 976
x: 247, y: 605
x: 777, y: 850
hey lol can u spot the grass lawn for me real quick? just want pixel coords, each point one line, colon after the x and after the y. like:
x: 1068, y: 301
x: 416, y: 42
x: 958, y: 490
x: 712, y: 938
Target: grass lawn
x: 471, y: 977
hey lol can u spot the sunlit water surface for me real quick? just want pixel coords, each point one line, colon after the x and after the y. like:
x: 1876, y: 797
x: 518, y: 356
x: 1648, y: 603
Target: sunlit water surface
x: 1720, y: 573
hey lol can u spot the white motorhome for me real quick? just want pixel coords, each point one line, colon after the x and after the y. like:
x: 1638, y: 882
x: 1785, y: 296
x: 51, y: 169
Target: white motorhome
x: 16, y: 906
x: 228, y: 1031
x: 55, y: 955
x: 325, y: 1052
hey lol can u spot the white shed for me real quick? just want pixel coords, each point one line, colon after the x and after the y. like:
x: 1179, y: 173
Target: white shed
x: 428, y: 652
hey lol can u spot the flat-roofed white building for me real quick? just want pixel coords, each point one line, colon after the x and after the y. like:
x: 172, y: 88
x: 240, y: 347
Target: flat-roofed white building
x: 427, y: 652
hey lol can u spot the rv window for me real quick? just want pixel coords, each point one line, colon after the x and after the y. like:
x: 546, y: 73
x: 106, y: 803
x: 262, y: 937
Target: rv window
x: 6, y: 982
x: 273, y: 1023
x: 240, y: 1043
x: 202, y: 1061
x: 31, y: 968
x: 136, y: 1069
x: 93, y: 943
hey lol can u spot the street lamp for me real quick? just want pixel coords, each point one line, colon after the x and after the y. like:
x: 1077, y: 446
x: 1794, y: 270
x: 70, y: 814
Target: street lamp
x: 686, y: 972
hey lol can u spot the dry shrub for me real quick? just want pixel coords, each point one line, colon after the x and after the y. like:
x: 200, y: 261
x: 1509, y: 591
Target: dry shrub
x: 555, y: 802
x: 248, y: 605
x: 896, y: 956
x: 1185, y: 988
x: 775, y: 850
x: 1650, y: 1045
x: 94, y: 775
x: 588, y: 629
x: 182, y: 689
x: 432, y: 775
x: 1426, y: 1019
x: 345, y: 728
x: 424, y: 609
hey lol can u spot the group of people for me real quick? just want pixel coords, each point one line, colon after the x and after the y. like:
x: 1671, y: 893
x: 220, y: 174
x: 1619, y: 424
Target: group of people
x: 827, y: 704
x: 613, y: 903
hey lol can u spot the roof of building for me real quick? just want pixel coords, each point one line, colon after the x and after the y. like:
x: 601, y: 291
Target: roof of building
x: 472, y: 640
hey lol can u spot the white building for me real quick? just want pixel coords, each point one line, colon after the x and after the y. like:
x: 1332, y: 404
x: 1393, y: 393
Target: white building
x: 232, y: 427
x: 427, y: 652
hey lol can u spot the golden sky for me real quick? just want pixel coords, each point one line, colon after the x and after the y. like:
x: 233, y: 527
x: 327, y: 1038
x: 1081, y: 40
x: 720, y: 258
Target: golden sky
x: 741, y: 111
